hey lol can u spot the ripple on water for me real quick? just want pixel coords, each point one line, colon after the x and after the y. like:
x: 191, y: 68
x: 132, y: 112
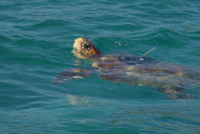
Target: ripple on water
x: 36, y: 39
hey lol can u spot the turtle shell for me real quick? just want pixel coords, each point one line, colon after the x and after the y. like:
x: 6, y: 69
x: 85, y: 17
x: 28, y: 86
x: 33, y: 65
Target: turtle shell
x: 168, y: 78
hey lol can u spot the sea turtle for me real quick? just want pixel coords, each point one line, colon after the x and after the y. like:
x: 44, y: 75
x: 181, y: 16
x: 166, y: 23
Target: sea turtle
x: 135, y: 70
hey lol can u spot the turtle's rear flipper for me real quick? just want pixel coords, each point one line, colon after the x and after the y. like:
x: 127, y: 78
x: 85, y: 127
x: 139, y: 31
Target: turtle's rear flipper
x: 189, y: 74
x: 71, y: 74
x: 181, y: 95
x: 176, y: 93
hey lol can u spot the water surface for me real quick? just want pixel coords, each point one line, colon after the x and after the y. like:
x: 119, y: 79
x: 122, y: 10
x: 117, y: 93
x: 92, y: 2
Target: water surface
x: 36, y: 39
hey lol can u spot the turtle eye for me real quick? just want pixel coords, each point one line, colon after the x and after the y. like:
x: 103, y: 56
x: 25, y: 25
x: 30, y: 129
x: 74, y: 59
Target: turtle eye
x: 87, y: 46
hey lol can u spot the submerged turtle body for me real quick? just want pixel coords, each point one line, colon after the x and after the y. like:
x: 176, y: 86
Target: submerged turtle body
x: 167, y: 78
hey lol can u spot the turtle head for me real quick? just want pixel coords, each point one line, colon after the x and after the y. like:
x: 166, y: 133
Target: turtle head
x: 84, y: 47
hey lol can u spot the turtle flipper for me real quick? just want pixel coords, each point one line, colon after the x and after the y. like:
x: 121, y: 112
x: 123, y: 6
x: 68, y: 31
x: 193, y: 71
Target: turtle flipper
x: 189, y: 74
x: 181, y: 95
x: 71, y: 74
x: 176, y: 93
x: 59, y: 79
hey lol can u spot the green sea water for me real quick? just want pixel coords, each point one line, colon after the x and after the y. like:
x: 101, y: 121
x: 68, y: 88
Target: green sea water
x: 36, y: 38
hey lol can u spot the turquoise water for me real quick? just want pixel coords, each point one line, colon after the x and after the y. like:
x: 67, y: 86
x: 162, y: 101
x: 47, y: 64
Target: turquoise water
x: 36, y: 39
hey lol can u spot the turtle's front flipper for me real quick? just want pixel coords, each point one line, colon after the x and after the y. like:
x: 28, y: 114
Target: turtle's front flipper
x: 71, y: 74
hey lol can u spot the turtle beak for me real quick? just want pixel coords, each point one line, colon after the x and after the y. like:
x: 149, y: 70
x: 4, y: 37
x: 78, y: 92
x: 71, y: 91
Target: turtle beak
x: 77, y: 44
